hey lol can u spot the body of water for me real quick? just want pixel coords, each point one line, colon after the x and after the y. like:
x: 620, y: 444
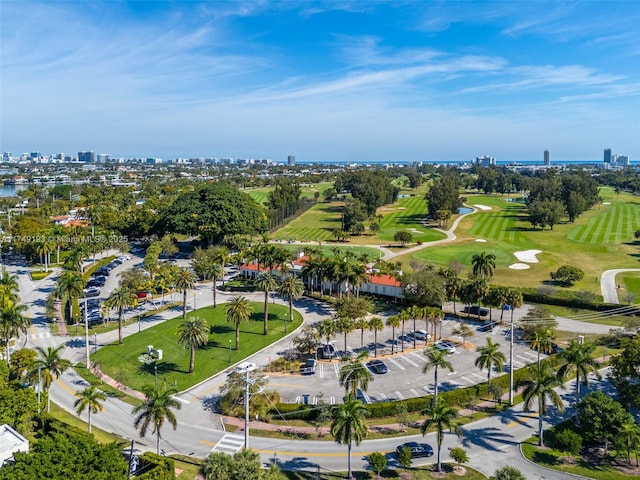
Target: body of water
x: 10, y: 190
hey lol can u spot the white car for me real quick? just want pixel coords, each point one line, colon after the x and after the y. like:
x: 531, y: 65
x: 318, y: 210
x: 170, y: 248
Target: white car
x: 421, y: 335
x: 446, y: 346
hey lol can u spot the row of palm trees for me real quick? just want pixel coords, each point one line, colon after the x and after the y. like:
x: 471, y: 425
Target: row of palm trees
x: 13, y: 315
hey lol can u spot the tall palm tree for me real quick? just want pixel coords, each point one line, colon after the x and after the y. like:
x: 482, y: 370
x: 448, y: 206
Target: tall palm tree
x: 267, y: 282
x: 540, y: 385
x: 193, y: 332
x: 154, y: 410
x: 542, y: 342
x: 121, y: 299
x: 629, y: 438
x: 345, y: 325
x: 436, y: 359
x: 207, y: 265
x: 238, y: 310
x: 292, y: 288
x: 69, y: 288
x: 375, y: 324
x: 185, y: 281
x: 90, y: 399
x: 361, y: 323
x: 326, y: 329
x: 13, y: 322
x: 490, y: 356
x: 50, y: 364
x: 579, y: 356
x: 442, y: 417
x: 483, y: 264
x: 404, y: 316
x: 349, y: 425
x: 354, y: 374
x: 415, y: 312
x: 393, y: 321
x: 9, y: 289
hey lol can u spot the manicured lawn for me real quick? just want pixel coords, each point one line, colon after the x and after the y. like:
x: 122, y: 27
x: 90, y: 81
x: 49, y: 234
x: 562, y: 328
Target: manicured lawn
x: 315, y: 224
x: 261, y: 194
x: 122, y: 361
x: 406, y: 214
x: 80, y: 422
x: 422, y: 473
x: 549, y: 458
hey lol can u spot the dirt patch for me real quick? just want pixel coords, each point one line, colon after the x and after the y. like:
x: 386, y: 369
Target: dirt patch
x: 459, y: 471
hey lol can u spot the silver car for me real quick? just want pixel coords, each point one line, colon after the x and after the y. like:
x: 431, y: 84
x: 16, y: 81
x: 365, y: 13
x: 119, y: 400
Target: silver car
x: 446, y: 346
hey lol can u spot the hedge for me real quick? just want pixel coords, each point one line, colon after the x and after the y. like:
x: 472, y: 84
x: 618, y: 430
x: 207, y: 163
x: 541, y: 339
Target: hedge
x: 156, y: 467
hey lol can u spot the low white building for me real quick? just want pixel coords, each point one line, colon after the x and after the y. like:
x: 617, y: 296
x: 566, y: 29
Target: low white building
x: 10, y: 443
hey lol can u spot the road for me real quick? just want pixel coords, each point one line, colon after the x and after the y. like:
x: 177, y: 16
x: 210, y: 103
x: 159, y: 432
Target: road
x: 608, y: 285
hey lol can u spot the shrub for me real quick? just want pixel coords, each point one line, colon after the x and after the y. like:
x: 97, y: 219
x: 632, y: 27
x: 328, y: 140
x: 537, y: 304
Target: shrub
x: 568, y: 441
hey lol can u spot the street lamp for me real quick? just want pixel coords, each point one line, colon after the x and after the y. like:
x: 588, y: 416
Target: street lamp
x: 229, y: 350
x: 246, y: 368
x: 86, y: 333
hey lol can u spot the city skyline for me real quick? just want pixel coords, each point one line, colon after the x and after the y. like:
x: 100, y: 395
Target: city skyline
x: 324, y: 81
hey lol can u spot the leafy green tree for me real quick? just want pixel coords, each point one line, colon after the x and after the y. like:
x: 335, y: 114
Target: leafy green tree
x: 371, y: 187
x: 403, y: 236
x: 214, y: 211
x: 193, y: 333
x: 483, y: 264
x: 267, y: 282
x: 537, y: 319
x: 246, y: 464
x: 156, y: 408
x: 579, y: 357
x: 568, y: 441
x: 490, y: 357
x: 629, y: 438
x: 121, y: 299
x: 444, y: 194
x: 292, y: 288
x: 349, y: 425
x: 459, y: 455
x: 51, y: 364
x: 436, y: 359
x: 508, y: 473
x: 217, y: 466
x: 13, y: 322
x: 602, y: 417
x: 185, y: 281
x: 540, y: 385
x: 307, y: 341
x: 567, y: 275
x: 625, y: 372
x: 377, y: 461
x: 238, y: 310
x: 90, y: 399
x: 22, y: 363
x: 424, y: 286
x: 405, y: 457
x: 440, y: 416
x: 354, y: 374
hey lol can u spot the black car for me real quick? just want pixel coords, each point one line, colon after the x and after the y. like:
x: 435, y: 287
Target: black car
x: 486, y: 327
x: 309, y: 368
x: 377, y: 366
x: 417, y: 449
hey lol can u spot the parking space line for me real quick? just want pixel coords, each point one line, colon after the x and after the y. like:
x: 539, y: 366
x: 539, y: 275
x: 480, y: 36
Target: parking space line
x: 533, y: 356
x: 400, y: 396
x: 477, y: 375
x: 396, y: 364
x: 452, y: 373
x: 321, y: 371
x: 409, y: 361
x: 332, y: 400
x: 428, y: 389
x: 415, y: 392
x: 462, y: 377
x: 419, y: 356
x: 384, y: 397
x: 298, y: 399
x: 336, y: 367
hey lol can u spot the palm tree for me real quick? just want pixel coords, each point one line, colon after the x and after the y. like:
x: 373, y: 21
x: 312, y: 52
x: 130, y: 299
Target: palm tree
x: 206, y: 265
x: 394, y: 322
x: 629, y: 438
x: 185, y: 280
x: 540, y: 385
x: 442, y: 417
x: 238, y: 310
x: 542, y: 342
x: 490, y: 356
x: 375, y: 324
x: 436, y: 359
x: 44, y: 249
x: 579, y: 356
x: 345, y: 325
x: 192, y: 333
x: 361, y: 323
x: 13, y: 322
x: 9, y: 289
x: 155, y: 409
x: 68, y: 288
x: 354, y: 374
x: 326, y: 329
x: 415, y: 312
x: 291, y: 287
x: 349, y: 425
x: 483, y: 264
x: 404, y: 315
x: 120, y: 299
x: 51, y: 364
x: 266, y: 282
x: 90, y: 399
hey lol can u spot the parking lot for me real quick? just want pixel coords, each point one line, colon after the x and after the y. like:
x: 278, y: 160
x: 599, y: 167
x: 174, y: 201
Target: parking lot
x: 404, y: 378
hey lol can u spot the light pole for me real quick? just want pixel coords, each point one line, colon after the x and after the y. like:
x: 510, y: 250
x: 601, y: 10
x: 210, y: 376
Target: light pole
x: 95, y: 342
x: 511, y: 361
x: 246, y: 368
x: 86, y: 333
x: 229, y: 351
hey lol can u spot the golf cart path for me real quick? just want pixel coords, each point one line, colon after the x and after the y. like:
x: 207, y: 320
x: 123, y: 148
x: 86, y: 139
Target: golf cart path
x: 608, y: 284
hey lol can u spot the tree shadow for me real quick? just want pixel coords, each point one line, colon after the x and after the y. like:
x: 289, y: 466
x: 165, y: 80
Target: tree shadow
x: 297, y: 463
x: 487, y: 438
x: 163, y: 367
x: 221, y: 329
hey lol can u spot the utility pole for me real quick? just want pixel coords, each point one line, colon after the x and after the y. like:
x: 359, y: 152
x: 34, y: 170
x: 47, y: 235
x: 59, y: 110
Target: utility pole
x: 511, y: 363
x: 86, y: 333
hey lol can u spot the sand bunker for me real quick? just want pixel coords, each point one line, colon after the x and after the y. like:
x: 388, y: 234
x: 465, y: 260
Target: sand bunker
x: 519, y: 266
x: 481, y: 240
x: 482, y: 207
x: 606, y: 203
x: 528, y: 256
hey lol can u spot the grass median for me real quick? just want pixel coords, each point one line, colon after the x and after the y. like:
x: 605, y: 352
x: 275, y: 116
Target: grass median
x: 122, y: 362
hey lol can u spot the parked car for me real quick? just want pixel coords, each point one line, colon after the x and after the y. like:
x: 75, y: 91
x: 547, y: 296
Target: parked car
x: 91, y: 292
x: 327, y: 350
x: 417, y: 449
x: 446, y: 346
x: 475, y: 309
x: 486, y: 327
x: 377, y: 366
x: 309, y: 367
x: 421, y: 335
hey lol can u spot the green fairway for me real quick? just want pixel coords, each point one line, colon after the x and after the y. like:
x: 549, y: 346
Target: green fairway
x: 316, y: 224
x: 406, y: 214
x: 122, y: 361
x: 330, y: 251
x: 261, y: 194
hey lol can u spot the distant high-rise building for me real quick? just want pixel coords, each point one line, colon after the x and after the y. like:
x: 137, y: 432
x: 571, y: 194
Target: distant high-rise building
x: 623, y: 160
x: 86, y: 156
x: 547, y: 157
x: 607, y: 155
x: 291, y: 159
x: 104, y: 157
x: 485, y: 160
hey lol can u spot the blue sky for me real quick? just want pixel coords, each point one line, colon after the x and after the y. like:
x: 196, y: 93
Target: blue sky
x: 325, y: 81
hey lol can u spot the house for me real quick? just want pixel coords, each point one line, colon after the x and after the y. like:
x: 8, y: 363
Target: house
x: 10, y: 443
x: 382, y: 284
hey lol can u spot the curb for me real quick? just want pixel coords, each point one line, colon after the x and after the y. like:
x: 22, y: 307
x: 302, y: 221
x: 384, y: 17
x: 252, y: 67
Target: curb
x: 575, y: 475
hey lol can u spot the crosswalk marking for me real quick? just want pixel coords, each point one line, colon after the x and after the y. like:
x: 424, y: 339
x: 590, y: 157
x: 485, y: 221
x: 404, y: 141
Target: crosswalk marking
x: 36, y: 336
x: 229, y: 443
x: 400, y: 396
x: 392, y: 360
